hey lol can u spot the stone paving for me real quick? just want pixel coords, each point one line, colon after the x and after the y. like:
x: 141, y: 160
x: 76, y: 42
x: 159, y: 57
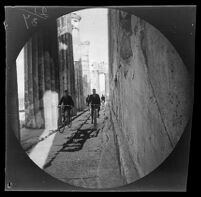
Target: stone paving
x: 30, y: 137
x: 82, y: 155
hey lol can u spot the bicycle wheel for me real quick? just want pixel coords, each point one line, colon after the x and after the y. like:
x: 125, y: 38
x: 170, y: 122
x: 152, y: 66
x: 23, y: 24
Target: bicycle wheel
x: 62, y: 128
x: 95, y: 118
x: 69, y: 122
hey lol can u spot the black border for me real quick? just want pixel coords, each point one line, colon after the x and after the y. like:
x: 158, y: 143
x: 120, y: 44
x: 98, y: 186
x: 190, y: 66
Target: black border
x: 35, y: 178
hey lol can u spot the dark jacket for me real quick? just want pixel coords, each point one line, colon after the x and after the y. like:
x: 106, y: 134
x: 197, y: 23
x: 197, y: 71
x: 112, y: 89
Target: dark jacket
x: 66, y: 100
x: 94, y: 99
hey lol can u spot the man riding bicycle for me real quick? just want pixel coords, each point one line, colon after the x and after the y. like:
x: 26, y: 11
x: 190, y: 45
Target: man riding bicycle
x: 66, y: 100
x: 94, y: 100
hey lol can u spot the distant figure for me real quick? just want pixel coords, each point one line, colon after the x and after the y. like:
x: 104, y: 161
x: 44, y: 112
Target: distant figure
x: 103, y: 99
x: 94, y: 99
x: 87, y: 100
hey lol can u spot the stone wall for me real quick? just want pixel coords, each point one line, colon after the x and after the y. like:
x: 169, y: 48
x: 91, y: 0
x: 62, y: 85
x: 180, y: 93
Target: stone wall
x: 150, y: 99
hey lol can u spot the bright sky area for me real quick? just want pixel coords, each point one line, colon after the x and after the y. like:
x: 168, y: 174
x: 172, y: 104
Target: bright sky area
x: 94, y: 28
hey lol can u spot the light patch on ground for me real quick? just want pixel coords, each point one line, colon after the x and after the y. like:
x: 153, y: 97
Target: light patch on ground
x: 41, y: 150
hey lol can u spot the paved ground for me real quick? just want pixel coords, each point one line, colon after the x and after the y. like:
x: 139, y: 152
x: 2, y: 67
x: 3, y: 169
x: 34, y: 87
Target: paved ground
x: 75, y: 154
x: 30, y: 137
x: 82, y: 155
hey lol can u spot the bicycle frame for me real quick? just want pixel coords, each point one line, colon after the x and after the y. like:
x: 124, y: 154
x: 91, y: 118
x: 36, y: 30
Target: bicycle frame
x: 66, y: 118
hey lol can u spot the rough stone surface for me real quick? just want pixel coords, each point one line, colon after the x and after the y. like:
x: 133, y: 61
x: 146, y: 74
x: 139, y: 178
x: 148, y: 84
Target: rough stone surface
x: 66, y: 59
x: 77, y: 62
x: 46, y: 74
x: 79, y: 86
x: 41, y: 74
x: 83, y: 156
x: 149, y: 94
x: 86, y: 78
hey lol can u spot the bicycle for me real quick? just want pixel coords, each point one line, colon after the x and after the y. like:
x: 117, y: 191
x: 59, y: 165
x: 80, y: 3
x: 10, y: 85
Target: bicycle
x: 64, y: 118
x: 94, y: 113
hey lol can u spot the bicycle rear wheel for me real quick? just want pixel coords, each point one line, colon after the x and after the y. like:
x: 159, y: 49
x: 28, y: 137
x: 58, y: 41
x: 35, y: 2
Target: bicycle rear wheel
x: 95, y: 117
x: 61, y: 129
x: 68, y: 119
x: 69, y: 122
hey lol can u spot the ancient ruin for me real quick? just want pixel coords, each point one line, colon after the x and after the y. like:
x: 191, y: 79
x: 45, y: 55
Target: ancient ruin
x: 148, y: 101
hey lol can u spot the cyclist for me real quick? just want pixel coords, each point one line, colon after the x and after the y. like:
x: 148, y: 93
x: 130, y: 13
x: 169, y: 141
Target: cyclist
x: 66, y: 100
x: 103, y: 99
x: 94, y: 99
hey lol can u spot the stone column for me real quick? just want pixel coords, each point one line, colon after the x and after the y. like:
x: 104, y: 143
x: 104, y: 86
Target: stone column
x: 75, y: 20
x: 98, y: 82
x: 85, y: 68
x: 66, y: 61
x: 107, y: 85
x: 41, y: 73
x: 29, y: 104
x: 12, y: 113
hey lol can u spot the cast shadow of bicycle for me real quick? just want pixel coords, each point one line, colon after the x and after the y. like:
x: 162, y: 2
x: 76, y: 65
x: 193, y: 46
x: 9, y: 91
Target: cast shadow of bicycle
x: 76, y: 142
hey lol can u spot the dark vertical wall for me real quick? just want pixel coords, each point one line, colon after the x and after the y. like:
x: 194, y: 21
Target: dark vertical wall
x: 12, y: 115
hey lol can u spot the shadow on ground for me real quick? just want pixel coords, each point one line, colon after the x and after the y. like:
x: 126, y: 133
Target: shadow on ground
x: 75, y: 143
x: 79, y: 138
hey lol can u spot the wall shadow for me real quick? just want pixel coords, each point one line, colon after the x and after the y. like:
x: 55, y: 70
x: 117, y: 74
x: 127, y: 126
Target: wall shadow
x: 73, y: 143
